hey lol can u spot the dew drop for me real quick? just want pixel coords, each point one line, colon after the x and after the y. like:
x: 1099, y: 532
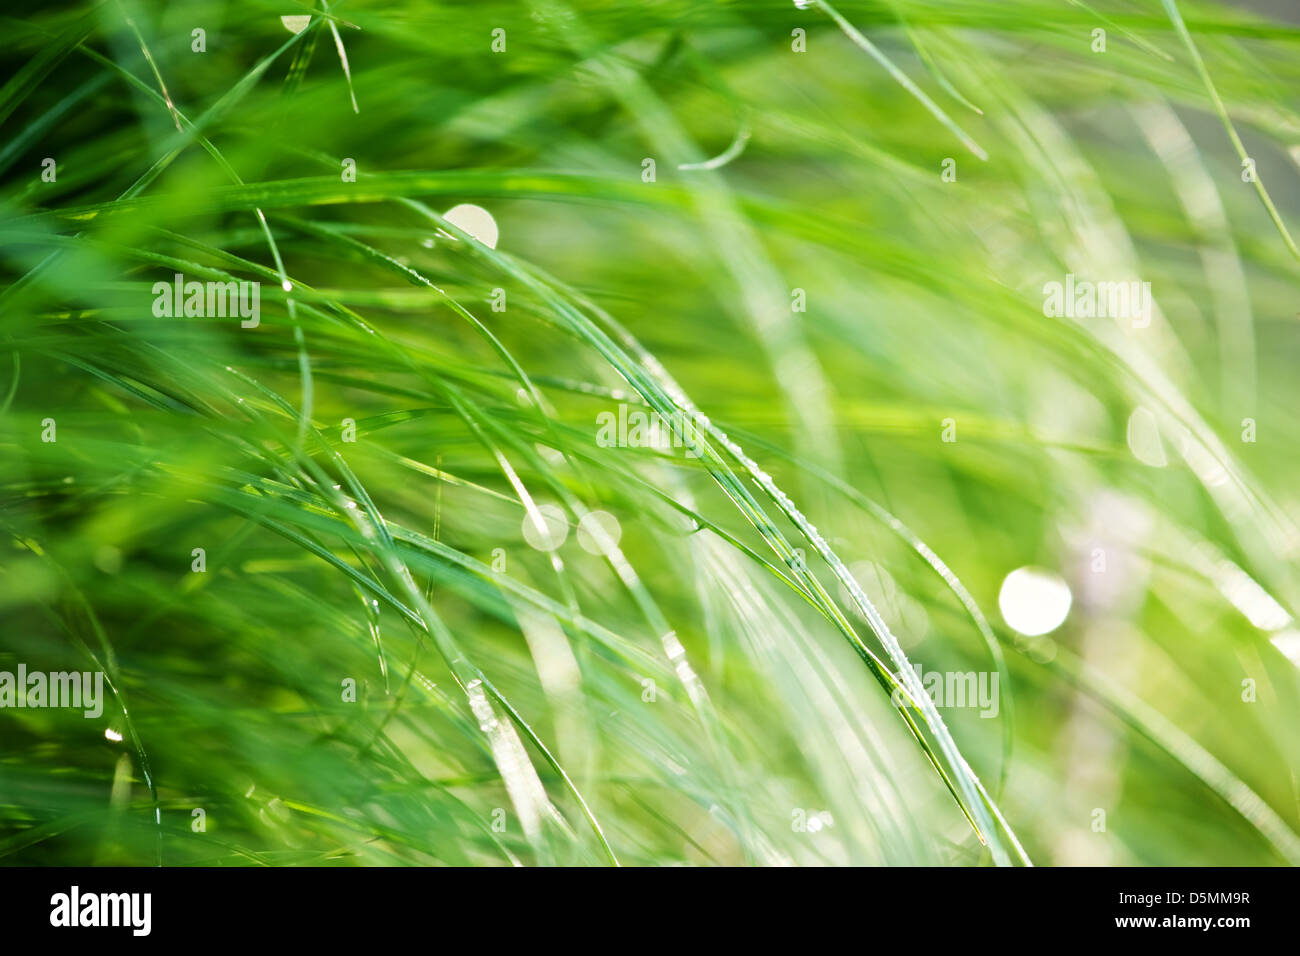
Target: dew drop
x: 475, y: 220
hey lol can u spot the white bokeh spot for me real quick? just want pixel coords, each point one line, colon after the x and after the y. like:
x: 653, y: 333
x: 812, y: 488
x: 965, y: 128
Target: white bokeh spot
x: 555, y: 528
x: 589, y: 528
x: 1034, y: 601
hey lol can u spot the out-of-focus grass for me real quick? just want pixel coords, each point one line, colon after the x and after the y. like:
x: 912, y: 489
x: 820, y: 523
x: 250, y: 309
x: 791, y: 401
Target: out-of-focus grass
x: 711, y: 684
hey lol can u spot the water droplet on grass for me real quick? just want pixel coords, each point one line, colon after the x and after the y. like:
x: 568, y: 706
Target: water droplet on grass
x: 1144, y: 439
x: 475, y: 220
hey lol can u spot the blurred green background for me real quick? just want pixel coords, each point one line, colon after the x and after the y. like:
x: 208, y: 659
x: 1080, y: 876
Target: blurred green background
x: 410, y: 642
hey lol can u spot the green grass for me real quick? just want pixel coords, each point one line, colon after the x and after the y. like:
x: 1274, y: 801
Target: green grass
x: 699, y: 686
